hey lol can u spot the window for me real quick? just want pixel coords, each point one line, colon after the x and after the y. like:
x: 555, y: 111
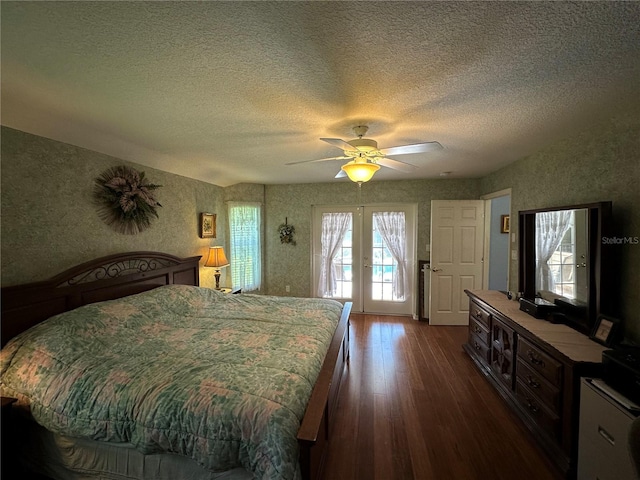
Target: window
x: 246, y: 256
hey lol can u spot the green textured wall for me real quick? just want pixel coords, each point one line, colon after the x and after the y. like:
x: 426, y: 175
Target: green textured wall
x: 49, y: 222
x: 291, y: 265
x: 600, y: 164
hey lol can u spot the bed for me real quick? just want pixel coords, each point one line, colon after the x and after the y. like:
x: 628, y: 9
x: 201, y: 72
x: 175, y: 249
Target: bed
x: 164, y: 379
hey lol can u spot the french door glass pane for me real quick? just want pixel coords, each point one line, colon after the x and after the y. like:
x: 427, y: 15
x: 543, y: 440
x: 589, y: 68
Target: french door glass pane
x: 343, y: 264
x: 382, y: 270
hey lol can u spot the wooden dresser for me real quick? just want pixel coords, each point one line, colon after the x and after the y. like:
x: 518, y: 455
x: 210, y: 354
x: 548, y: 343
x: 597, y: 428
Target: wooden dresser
x: 536, y: 367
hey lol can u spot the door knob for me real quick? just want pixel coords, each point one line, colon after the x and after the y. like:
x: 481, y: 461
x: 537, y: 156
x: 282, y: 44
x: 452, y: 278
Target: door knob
x: 436, y: 269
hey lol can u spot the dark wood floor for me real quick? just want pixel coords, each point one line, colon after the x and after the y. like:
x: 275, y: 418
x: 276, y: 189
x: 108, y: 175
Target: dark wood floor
x: 413, y: 406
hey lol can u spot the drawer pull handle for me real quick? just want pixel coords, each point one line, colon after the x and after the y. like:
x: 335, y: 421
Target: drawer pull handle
x: 477, y: 329
x: 532, y: 406
x: 533, y: 358
x: 479, y: 314
x: 477, y: 346
x: 532, y: 383
x: 606, y: 435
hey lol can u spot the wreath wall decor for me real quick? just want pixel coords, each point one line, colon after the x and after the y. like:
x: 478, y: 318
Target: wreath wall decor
x: 124, y: 199
x: 286, y: 232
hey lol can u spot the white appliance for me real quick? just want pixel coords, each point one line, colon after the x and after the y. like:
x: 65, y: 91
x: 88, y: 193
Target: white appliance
x: 426, y: 272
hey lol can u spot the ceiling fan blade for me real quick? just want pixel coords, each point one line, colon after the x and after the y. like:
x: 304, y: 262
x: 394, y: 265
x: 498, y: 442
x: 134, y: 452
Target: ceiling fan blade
x: 341, y: 174
x: 337, y: 142
x: 319, y: 160
x: 414, y: 148
x: 395, y: 164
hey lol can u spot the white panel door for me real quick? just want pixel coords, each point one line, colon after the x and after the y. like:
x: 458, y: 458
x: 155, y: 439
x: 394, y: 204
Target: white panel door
x: 457, y: 245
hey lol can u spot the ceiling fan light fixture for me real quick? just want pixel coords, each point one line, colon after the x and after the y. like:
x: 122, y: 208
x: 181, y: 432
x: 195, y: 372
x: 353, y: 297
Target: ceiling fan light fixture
x: 367, y: 158
x: 360, y: 172
x: 364, y: 145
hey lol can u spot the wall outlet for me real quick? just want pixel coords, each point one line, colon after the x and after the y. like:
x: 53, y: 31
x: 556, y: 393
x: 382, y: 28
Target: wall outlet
x: 514, y: 254
x: 287, y: 288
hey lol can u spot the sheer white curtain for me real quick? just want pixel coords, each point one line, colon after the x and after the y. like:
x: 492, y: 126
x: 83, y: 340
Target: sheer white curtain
x: 550, y: 228
x: 392, y: 229
x: 334, y: 228
x: 246, y: 255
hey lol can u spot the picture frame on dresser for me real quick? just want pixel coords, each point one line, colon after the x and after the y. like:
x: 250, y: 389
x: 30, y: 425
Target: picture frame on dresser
x: 605, y: 330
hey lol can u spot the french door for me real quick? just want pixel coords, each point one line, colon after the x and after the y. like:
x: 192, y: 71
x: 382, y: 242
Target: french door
x: 366, y: 255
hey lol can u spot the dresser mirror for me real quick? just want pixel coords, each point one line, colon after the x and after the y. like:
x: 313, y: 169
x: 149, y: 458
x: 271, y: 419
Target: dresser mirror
x: 562, y: 251
x: 562, y: 259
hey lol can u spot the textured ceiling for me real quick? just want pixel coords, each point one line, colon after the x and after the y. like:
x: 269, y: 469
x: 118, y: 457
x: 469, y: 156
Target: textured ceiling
x: 229, y: 92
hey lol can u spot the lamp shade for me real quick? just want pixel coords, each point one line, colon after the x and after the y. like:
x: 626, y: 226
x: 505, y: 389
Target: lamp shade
x: 216, y: 258
x: 360, y: 171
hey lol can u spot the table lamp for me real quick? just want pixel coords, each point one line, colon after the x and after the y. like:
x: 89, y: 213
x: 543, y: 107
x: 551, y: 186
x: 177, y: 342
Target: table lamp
x: 218, y: 260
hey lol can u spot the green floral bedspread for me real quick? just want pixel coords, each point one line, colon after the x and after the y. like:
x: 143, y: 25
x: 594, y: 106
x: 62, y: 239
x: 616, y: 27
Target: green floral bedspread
x: 223, y: 379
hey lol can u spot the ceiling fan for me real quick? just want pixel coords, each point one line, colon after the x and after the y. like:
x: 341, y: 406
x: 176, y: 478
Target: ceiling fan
x: 365, y: 158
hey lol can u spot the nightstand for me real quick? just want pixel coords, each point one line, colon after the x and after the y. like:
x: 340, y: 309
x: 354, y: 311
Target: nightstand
x: 232, y: 291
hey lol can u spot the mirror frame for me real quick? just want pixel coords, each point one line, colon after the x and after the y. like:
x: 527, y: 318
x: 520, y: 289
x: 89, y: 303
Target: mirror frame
x: 598, y: 221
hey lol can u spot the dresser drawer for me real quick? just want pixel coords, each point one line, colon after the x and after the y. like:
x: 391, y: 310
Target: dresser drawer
x: 540, y: 362
x: 540, y: 387
x: 480, y: 348
x: 548, y: 421
x: 478, y: 313
x: 479, y: 329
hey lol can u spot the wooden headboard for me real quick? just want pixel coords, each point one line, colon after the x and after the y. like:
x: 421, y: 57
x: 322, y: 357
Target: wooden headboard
x: 106, y: 278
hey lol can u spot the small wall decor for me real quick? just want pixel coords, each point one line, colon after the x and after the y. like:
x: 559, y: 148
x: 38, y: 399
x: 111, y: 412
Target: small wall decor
x: 124, y: 199
x: 286, y: 233
x: 504, y: 223
x: 207, y: 225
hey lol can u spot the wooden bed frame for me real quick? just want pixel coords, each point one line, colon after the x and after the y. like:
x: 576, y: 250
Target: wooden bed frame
x: 115, y: 276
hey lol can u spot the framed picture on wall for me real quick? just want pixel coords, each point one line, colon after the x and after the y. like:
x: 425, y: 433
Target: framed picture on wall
x: 207, y: 225
x: 504, y: 223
